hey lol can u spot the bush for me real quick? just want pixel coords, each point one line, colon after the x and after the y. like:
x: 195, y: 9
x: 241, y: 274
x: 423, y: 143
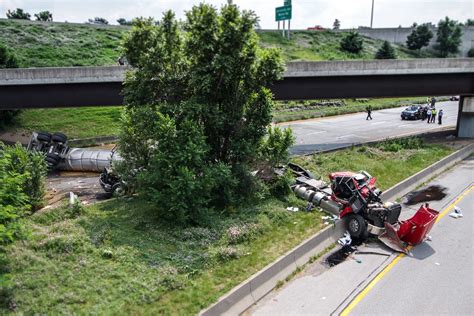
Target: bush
x: 470, y: 53
x: 386, y: 52
x: 352, y: 43
x: 396, y: 145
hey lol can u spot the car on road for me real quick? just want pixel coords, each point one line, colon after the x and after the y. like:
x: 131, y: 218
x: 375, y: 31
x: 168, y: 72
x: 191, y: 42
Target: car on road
x: 411, y: 113
x: 454, y: 98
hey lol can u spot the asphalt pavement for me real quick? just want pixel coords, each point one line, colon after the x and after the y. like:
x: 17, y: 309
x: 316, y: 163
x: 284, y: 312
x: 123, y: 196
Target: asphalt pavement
x: 435, y: 278
x: 340, y: 131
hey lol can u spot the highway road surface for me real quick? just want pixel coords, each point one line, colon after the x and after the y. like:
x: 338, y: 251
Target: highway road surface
x: 339, y: 131
x: 437, y: 277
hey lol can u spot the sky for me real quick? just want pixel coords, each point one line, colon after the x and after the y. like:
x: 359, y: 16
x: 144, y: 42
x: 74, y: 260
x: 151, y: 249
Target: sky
x: 351, y: 13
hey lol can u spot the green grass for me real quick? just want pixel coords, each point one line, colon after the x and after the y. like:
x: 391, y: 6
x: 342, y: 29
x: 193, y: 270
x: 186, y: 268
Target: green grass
x: 60, y: 44
x: 74, y: 122
x: 389, y: 167
x: 45, y: 44
x: 301, y: 110
x: 118, y: 258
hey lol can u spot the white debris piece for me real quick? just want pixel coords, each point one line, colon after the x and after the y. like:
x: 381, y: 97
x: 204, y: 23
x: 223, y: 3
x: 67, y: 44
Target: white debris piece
x: 457, y: 213
x: 292, y: 209
x: 345, y: 240
x: 72, y: 198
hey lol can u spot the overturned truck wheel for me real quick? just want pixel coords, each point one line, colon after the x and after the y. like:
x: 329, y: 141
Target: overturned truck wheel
x: 357, y: 226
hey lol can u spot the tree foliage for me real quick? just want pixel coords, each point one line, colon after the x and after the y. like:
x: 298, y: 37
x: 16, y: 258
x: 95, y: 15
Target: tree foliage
x: 386, y: 52
x: 197, y: 109
x: 352, y: 43
x: 470, y: 53
x: 469, y: 22
x: 7, y: 60
x: 419, y: 37
x: 45, y: 16
x: 98, y: 20
x: 18, y: 14
x: 448, y: 37
x: 123, y: 21
x: 336, y: 25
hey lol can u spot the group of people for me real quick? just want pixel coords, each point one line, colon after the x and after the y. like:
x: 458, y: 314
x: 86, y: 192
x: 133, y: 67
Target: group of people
x: 429, y: 112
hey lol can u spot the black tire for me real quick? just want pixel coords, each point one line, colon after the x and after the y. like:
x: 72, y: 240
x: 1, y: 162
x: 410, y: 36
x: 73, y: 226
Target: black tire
x: 117, y: 189
x: 52, y: 160
x: 403, y: 118
x: 357, y: 226
x: 44, y: 137
x: 59, y: 138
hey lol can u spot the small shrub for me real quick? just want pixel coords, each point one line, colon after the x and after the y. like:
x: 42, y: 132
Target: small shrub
x: 240, y: 233
x: 396, y: 145
x: 386, y: 52
x: 228, y: 253
x: 352, y: 43
x: 470, y: 53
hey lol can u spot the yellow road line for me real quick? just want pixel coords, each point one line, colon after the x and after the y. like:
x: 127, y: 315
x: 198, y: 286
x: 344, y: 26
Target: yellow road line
x: 379, y: 276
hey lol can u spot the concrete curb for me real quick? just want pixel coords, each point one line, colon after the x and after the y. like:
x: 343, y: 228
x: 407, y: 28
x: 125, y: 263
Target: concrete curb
x: 258, y: 285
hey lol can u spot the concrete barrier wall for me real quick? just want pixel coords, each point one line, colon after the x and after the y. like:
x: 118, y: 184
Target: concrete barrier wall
x: 112, y: 74
x: 258, y: 285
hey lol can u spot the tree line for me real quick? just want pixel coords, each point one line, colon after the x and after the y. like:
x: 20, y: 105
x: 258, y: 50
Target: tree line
x: 448, y: 40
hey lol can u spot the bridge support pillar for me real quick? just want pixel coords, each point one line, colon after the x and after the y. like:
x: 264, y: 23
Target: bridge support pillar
x: 465, y: 126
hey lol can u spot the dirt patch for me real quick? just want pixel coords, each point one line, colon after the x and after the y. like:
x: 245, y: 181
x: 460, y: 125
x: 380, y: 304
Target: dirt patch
x: 83, y: 184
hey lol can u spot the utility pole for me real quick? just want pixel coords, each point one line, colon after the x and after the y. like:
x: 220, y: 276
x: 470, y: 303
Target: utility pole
x: 288, y: 29
x: 372, y: 14
x: 283, y: 32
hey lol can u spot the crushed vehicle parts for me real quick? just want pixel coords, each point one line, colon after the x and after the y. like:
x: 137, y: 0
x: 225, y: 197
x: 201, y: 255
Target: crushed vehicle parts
x: 355, y: 198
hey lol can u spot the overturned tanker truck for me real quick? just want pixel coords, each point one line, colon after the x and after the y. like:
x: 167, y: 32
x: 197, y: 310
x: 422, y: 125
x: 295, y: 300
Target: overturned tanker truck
x: 355, y: 198
x: 59, y: 156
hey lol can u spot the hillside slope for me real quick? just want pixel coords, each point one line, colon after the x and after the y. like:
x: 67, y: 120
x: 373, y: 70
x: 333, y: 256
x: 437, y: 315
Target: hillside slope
x: 45, y: 44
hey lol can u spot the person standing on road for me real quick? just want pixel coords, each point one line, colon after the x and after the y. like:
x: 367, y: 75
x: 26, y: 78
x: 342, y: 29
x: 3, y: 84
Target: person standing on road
x: 433, y: 102
x: 433, y: 115
x: 440, y: 117
x: 369, y: 113
x: 428, y: 115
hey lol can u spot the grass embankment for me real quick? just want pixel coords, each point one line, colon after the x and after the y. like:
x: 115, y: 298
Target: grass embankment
x: 117, y: 257
x: 46, y: 44
x: 74, y: 122
x: 105, y: 121
x: 325, y: 45
x: 302, y: 110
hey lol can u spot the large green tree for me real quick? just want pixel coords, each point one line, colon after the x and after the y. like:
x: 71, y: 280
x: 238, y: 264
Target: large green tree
x: 448, y: 37
x: 419, y: 37
x: 198, y: 107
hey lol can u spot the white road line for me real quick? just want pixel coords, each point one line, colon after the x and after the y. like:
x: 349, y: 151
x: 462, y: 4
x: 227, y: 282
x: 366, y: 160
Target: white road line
x: 314, y: 133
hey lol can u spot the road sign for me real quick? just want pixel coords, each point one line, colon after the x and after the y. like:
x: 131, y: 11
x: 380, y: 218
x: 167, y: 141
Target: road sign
x: 283, y: 13
x: 287, y: 3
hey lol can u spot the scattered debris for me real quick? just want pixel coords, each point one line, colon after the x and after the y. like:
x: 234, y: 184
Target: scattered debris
x: 292, y: 209
x: 73, y: 198
x: 431, y: 193
x: 429, y: 238
x: 437, y: 263
x: 345, y: 240
x: 457, y: 213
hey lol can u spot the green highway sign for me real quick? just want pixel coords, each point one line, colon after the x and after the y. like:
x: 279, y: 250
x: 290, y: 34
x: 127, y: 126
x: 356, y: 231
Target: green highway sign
x: 283, y: 13
x: 287, y: 3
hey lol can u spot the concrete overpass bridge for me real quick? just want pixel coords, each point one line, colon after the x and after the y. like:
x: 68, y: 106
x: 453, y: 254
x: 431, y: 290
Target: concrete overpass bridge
x: 101, y: 86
